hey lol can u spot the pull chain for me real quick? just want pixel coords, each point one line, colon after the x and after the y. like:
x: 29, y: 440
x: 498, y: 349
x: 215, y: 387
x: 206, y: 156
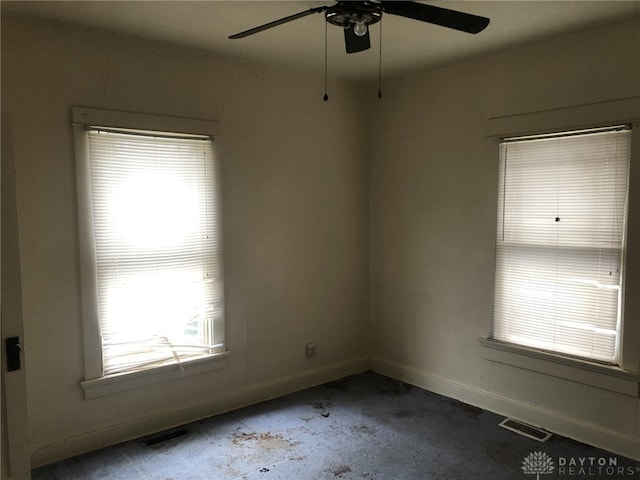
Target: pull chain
x: 380, y: 64
x: 326, y: 97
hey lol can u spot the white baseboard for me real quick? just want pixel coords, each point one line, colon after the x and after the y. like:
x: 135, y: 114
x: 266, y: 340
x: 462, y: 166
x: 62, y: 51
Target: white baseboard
x: 566, y: 426
x: 86, y: 442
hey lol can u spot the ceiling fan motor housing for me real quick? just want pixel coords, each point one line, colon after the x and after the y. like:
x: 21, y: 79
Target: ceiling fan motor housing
x: 348, y: 14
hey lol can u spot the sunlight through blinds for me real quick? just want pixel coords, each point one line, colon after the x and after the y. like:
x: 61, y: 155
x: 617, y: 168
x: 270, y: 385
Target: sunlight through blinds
x: 560, y: 242
x: 158, y: 255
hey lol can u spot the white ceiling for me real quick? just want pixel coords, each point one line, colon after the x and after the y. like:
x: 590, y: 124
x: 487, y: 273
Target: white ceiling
x: 408, y: 46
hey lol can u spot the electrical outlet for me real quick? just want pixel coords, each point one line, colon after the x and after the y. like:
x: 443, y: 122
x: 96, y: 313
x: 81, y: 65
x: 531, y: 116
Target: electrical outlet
x: 311, y: 350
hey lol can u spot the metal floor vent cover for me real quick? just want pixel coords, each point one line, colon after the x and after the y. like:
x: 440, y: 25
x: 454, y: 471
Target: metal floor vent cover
x: 161, y: 438
x: 526, y: 430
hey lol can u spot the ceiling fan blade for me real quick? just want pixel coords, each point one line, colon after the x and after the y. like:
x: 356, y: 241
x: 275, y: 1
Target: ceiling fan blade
x: 281, y: 21
x: 355, y: 43
x: 444, y: 17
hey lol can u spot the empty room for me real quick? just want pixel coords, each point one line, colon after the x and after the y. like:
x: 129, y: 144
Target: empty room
x: 360, y: 240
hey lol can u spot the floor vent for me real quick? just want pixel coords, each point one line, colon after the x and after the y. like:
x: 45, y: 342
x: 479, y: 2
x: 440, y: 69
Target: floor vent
x: 526, y: 430
x: 163, y: 437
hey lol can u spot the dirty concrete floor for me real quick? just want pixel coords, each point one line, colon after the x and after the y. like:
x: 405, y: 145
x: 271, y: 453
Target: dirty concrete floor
x: 362, y: 427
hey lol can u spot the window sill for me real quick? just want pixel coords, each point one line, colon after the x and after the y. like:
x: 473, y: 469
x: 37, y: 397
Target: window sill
x: 605, y: 377
x: 121, y: 382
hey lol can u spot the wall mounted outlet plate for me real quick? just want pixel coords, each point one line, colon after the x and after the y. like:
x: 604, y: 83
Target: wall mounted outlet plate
x: 311, y: 350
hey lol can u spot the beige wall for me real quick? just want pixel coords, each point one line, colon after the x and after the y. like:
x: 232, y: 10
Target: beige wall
x: 313, y: 226
x: 294, y: 183
x: 433, y: 221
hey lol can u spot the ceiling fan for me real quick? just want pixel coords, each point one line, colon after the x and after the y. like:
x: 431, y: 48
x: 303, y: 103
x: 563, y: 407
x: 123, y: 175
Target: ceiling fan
x: 356, y: 16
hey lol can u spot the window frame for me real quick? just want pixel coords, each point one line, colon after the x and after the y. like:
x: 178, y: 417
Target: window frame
x: 595, y: 115
x: 95, y: 384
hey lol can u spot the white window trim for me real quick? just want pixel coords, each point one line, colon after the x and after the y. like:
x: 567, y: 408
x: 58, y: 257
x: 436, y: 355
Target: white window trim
x: 606, y: 377
x: 95, y: 384
x: 625, y: 378
x: 128, y: 381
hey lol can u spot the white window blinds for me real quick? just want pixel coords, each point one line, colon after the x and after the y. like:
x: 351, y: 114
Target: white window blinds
x: 157, y: 248
x: 560, y: 239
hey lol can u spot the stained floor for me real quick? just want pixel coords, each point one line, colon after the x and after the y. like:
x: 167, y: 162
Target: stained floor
x: 366, y: 426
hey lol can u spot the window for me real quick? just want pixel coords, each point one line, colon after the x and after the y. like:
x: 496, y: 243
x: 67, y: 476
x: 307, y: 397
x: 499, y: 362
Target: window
x: 155, y: 248
x: 560, y: 242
